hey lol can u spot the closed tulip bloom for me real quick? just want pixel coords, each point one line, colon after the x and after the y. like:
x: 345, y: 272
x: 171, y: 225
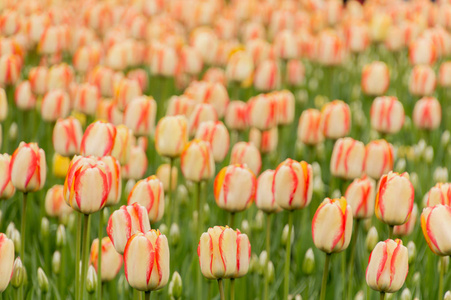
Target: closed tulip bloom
x: 141, y: 76
x: 267, y: 76
x: 23, y: 96
x: 197, y: 162
x: 375, y: 78
x: 111, y: 260
x: 180, y: 105
x: 105, y: 79
x: 87, y: 97
x: 164, y: 60
x: 202, y: 112
x: 6, y: 261
x: 332, y: 225
x: 248, y: 154
x: 330, y: 48
x: 122, y: 144
x: 243, y: 255
x: 10, y: 66
x: 240, y: 67
x: 60, y: 77
x: 55, y: 206
x: 140, y: 114
x: 388, y: 266
x: 67, y: 135
x: 163, y: 175
x: 136, y: 166
x: 38, y: 79
x: 7, y: 188
x: 236, y: 115
x: 357, y: 36
x: 234, y: 188
x: 55, y: 104
x: 87, y: 185
x: 260, y: 50
x: 295, y: 73
x: 149, y: 193
x: 125, y: 91
x: 394, y: 200
x: 309, y: 130
x: 264, y: 196
x: 427, y: 113
x: 408, y: 227
x: 285, y: 45
x: 435, y: 223
x: 215, y: 75
x: 28, y: 168
x: 262, y: 112
x: 379, y: 158
x: 86, y: 58
x: 108, y: 111
x: 265, y: 141
x: 347, y: 158
x: 335, y: 119
x: 217, y: 135
x: 285, y: 106
x: 98, y: 139
x: 52, y: 40
x: 113, y: 168
x: 125, y: 222
x: 422, y: 81
x: 422, y: 51
x: 361, y: 195
x: 444, y: 74
x: 439, y: 194
x: 191, y: 60
x: 146, y: 261
x: 293, y: 184
x: 217, y: 253
x: 171, y: 136
x: 387, y: 114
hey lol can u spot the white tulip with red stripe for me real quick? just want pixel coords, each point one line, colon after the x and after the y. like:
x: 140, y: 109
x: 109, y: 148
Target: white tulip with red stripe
x: 136, y: 166
x: 262, y: 112
x: 111, y: 260
x: 408, y: 227
x: 115, y: 179
x: 375, y: 78
x: 203, y: 112
x: 335, y: 119
x: 264, y: 196
x: 55, y: 104
x: 422, y: 81
x: 427, y: 113
x: 122, y: 144
x: 435, y: 222
x: 140, y: 114
x: 267, y: 76
x: 180, y: 105
x: 439, y: 194
x: 217, y: 135
x: 209, y: 92
x: 248, y: 154
x: 379, y: 158
x: 422, y: 52
x: 171, y: 135
x: 444, y: 74
x: 309, y: 130
x: 125, y: 91
x: 87, y: 97
x: 55, y: 205
x: 98, y: 139
x: 67, y: 135
x: 361, y: 195
x: 28, y: 168
x: 23, y: 96
x: 197, y: 162
x: 7, y: 188
x: 347, y: 158
x: 149, y: 193
x: 285, y: 106
x: 6, y: 261
x: 387, y: 114
x: 236, y: 115
x: 265, y: 141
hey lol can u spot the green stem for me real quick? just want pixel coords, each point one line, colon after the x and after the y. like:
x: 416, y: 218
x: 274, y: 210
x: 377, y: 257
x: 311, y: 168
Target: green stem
x: 147, y: 295
x: 232, y: 288
x: 84, y: 263
x: 170, y: 204
x: 351, y: 258
x: 232, y: 220
x: 199, y: 233
x: 382, y: 296
x: 221, y: 289
x: 268, y: 250
x: 442, y: 274
x: 99, y: 257
x: 390, y: 231
x: 22, y: 235
x: 286, y: 286
x: 77, y: 256
x: 325, y: 275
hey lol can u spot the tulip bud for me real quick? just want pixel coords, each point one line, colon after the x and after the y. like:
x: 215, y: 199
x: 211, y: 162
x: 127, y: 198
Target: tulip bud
x: 245, y: 227
x: 174, y: 234
x: 335, y: 119
x: 91, y: 280
x: 7, y: 189
x: 412, y: 250
x: 45, y: 228
x: 98, y: 139
x: 447, y: 295
x: 271, y: 272
x: 375, y: 78
x: 111, y: 260
x: 434, y: 222
x: 254, y: 264
x: 427, y: 113
x: 147, y: 250
x: 308, y: 264
x: 387, y: 114
x: 236, y: 115
x: 422, y: 81
x: 309, y: 131
x: 406, y: 294
x: 284, y: 238
x: 61, y: 236
x: 43, y: 281
x: 372, y: 238
x: 137, y: 164
x: 379, y: 158
x: 175, y: 286
x: 18, y: 273
x: 28, y: 168
x: 171, y: 136
x: 361, y: 195
x: 197, y: 161
x: 388, y: 266
x: 262, y: 111
x: 56, y: 262
x: 67, y: 135
x: 263, y: 259
x: 217, y: 135
x: 15, y: 237
x: 292, y: 184
x: 264, y: 196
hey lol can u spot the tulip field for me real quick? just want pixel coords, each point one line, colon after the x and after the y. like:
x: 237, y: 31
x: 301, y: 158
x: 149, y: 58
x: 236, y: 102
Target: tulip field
x: 225, y: 149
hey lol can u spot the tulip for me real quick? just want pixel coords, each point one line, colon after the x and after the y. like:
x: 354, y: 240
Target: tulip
x: 262, y: 112
x: 217, y: 135
x: 361, y: 195
x: 28, y: 168
x: 264, y: 196
x: 55, y: 205
x: 7, y: 188
x: 332, y: 225
x: 139, y: 115
x: 347, y: 158
x: 379, y: 158
x: 209, y: 92
x: 285, y: 106
x: 149, y: 193
x: 113, y: 169
x: 394, y: 200
x: 422, y: 51
x: 202, y: 113
x: 422, y: 81
x: 215, y: 75
x: 260, y: 50
x: 427, y: 113
x: 240, y: 67
x: 98, y: 139
x: 87, y: 98
x: 59, y: 77
x: 197, y: 161
x: 434, y: 221
x: 388, y: 266
x: 86, y: 58
x: 330, y: 48
x: 234, y: 188
x: 309, y: 131
x: 387, y: 114
x: 191, y: 60
x: 335, y: 119
x: 23, y: 97
x: 295, y: 73
x: 236, y: 115
x: 125, y: 222
x: 55, y: 104
x: 141, y: 76
x: 6, y: 261
x: 164, y: 60
x: 408, y: 227
x: 111, y: 260
x: 246, y: 153
x: 137, y: 164
x: 108, y: 111
x: 125, y: 91
x: 439, y: 194
x: 105, y: 79
x: 87, y: 185
x: 122, y: 144
x: 171, y: 136
x: 265, y: 141
x: 444, y: 74
x: 162, y: 174
x: 267, y: 76
x: 37, y: 76
x: 10, y: 66
x: 375, y: 78
x: 67, y: 135
x: 146, y: 261
x: 180, y: 105
x: 357, y: 36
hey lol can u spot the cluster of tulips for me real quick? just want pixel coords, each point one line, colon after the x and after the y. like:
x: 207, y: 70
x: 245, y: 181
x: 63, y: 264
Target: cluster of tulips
x: 156, y: 125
